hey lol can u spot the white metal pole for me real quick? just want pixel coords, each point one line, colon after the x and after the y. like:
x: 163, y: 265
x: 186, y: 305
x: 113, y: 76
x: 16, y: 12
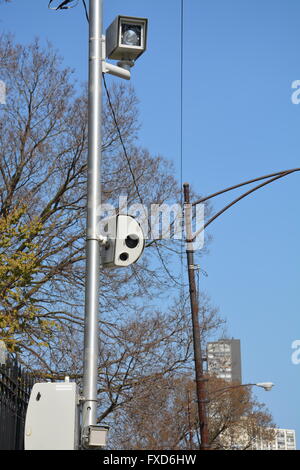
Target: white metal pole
x: 91, y: 332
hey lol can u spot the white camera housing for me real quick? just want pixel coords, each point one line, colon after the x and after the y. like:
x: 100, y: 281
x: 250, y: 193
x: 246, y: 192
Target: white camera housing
x: 125, y: 241
x: 126, y: 38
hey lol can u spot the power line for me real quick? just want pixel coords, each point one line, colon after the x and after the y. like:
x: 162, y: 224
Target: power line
x: 86, y: 11
x: 181, y: 133
x: 132, y: 172
x: 181, y: 93
x: 121, y: 138
x: 66, y: 5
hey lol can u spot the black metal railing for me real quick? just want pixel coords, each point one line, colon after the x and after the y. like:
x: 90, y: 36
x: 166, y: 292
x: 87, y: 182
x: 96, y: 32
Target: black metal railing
x: 15, y: 387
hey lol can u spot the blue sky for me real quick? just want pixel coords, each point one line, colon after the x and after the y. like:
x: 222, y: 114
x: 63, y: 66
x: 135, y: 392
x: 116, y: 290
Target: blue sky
x: 240, y: 59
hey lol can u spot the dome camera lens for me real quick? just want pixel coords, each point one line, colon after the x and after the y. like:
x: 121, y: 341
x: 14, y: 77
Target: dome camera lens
x: 132, y: 241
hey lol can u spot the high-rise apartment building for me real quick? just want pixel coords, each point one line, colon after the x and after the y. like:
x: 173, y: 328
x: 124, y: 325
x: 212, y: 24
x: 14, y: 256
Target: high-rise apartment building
x: 224, y: 359
x: 284, y: 439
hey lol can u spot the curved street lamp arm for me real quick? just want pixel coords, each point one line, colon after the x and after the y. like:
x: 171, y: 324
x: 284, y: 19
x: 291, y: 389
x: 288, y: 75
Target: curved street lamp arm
x: 265, y: 385
x: 220, y: 391
x: 284, y: 172
x: 280, y: 175
x: 63, y: 4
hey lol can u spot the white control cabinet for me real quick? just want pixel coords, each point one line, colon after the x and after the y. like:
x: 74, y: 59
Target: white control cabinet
x: 52, y: 419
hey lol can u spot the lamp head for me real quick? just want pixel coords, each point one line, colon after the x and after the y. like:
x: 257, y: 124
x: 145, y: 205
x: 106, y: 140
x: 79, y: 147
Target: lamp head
x: 267, y: 386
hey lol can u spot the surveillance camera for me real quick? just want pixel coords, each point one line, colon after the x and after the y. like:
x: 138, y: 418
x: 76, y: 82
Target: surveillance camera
x: 126, y: 38
x: 125, y: 241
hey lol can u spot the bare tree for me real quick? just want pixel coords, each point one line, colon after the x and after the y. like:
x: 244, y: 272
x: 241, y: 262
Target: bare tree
x: 236, y: 418
x: 146, y: 336
x: 43, y: 153
x: 145, y: 333
x: 163, y: 415
x: 43, y: 168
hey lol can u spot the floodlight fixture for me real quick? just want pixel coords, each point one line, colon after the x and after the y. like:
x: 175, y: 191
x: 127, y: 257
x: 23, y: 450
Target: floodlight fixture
x: 126, y: 38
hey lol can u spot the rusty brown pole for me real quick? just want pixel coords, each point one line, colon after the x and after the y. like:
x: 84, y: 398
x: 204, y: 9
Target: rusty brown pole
x: 189, y: 421
x: 200, y: 379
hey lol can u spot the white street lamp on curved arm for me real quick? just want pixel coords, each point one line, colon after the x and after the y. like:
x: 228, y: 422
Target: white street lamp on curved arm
x: 267, y: 386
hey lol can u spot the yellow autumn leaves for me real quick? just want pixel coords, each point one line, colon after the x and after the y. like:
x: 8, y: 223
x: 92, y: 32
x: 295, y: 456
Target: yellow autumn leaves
x: 19, y: 263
